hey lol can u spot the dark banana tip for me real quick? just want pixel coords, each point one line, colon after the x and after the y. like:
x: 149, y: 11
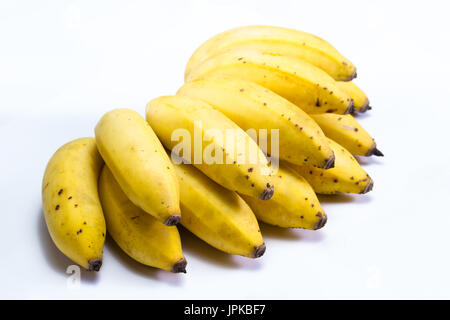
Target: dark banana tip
x: 179, y: 266
x: 94, y: 265
x: 353, y: 76
x: 365, y: 107
x: 173, y: 220
x: 351, y: 108
x: 378, y: 153
x: 267, y: 193
x: 368, y: 188
x: 322, y: 221
x: 330, y: 163
x: 259, y: 251
x: 374, y: 152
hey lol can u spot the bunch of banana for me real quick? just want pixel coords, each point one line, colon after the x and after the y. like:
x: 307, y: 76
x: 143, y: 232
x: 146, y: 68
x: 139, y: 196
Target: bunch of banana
x: 305, y: 85
x: 260, y: 127
x: 300, y: 138
x: 278, y: 41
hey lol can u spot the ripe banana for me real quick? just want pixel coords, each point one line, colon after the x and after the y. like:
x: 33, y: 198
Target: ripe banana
x: 305, y: 85
x: 196, y: 121
x: 347, y: 176
x: 251, y: 106
x: 217, y: 215
x: 360, y: 100
x: 294, y: 205
x: 71, y: 205
x: 279, y: 42
x: 139, y: 163
x: 140, y: 235
x: 345, y: 130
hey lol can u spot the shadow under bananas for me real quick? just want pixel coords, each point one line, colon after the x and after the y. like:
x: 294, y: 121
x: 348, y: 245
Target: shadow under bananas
x: 343, y: 198
x: 335, y: 198
x: 361, y: 115
x: 296, y: 234
x: 368, y: 161
x: 194, y: 246
x: 55, y: 258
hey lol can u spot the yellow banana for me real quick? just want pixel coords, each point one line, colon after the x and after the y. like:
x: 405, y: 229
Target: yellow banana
x: 138, y: 234
x: 139, y: 163
x: 71, y: 205
x: 347, y: 176
x: 360, y: 100
x: 201, y: 122
x: 305, y: 85
x: 217, y: 215
x: 345, y: 130
x: 280, y: 42
x: 251, y: 106
x: 294, y: 205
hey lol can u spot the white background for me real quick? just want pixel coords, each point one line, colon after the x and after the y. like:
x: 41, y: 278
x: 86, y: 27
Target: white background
x: 65, y: 63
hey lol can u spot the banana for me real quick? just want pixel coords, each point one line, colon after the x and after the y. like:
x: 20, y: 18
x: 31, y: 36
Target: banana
x: 200, y: 122
x: 347, y: 176
x: 305, y: 85
x: 360, y: 100
x: 217, y: 215
x: 251, y: 106
x: 280, y: 42
x: 345, y: 130
x: 139, y: 163
x: 138, y: 234
x: 294, y: 205
x: 71, y: 205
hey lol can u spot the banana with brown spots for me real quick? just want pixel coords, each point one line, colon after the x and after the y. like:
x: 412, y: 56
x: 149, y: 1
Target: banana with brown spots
x: 294, y: 205
x: 360, y: 100
x: 71, y: 204
x: 139, y: 163
x: 345, y: 130
x: 217, y: 215
x: 303, y: 84
x: 347, y: 176
x: 140, y: 235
